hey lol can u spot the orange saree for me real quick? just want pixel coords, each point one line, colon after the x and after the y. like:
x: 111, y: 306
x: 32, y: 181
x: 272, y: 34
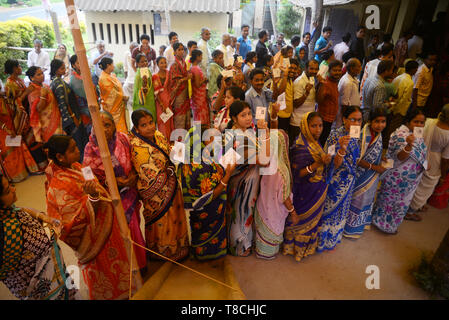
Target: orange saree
x: 17, y: 162
x: 94, y: 235
x: 112, y: 96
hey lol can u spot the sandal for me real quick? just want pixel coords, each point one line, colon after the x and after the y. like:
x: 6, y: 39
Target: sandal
x: 412, y: 217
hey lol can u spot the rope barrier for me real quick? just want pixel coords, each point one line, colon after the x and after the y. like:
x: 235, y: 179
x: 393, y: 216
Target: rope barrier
x: 181, y: 265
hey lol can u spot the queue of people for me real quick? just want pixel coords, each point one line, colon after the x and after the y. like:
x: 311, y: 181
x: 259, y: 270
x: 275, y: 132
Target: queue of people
x: 327, y: 141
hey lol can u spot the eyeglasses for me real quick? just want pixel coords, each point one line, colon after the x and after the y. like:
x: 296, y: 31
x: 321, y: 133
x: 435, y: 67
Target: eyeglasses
x: 355, y: 120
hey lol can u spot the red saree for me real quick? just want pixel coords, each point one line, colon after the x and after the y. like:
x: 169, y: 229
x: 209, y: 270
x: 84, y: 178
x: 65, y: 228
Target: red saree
x: 45, y: 122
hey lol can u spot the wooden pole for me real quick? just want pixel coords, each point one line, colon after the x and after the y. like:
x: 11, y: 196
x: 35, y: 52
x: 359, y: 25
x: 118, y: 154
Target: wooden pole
x: 89, y: 88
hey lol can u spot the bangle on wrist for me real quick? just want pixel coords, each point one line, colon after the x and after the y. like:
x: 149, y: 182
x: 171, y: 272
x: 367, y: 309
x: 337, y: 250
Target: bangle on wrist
x: 309, y: 170
x: 341, y: 155
x: 370, y: 166
x: 403, y: 149
x: 275, y: 119
x: 291, y: 210
x: 93, y: 199
x: 224, y: 184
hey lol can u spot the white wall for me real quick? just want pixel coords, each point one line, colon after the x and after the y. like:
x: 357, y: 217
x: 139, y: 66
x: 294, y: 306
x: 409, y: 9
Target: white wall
x: 185, y: 24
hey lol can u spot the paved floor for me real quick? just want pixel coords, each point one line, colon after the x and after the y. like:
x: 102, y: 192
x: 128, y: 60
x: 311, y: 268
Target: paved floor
x: 340, y: 274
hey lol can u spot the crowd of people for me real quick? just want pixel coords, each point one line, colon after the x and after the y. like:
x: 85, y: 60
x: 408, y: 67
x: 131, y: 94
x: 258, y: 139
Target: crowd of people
x: 353, y: 137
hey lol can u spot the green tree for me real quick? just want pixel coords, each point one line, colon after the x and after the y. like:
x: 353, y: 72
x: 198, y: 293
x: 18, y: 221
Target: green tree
x: 289, y: 20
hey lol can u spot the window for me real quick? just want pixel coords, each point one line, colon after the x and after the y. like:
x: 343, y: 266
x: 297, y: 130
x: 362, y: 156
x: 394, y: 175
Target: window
x: 94, y: 32
x: 137, y: 33
x: 108, y: 28
x: 145, y: 29
x: 101, y: 31
x: 157, y: 24
x: 116, y: 32
x: 123, y: 34
x: 130, y: 27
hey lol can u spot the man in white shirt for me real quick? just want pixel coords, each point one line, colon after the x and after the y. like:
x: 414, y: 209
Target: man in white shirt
x: 386, y: 53
x: 424, y: 80
x: 303, y: 97
x: 202, y: 45
x: 169, y: 53
x: 341, y: 48
x: 348, y: 88
x: 414, y: 46
x: 225, y: 47
x: 96, y: 58
x: 128, y: 86
x: 40, y: 58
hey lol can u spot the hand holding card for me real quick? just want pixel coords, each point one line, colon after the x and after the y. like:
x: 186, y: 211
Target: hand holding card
x: 178, y: 152
x: 13, y: 142
x: 331, y: 150
x: 418, y: 132
x: 87, y: 173
x: 355, y: 132
x: 144, y: 72
x: 260, y: 113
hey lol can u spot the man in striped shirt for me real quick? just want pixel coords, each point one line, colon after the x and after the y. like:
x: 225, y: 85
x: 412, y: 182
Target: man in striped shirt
x: 374, y: 92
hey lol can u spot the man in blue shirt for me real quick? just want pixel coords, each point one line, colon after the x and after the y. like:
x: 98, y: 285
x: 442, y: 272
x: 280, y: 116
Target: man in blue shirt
x: 258, y: 96
x: 323, y: 43
x: 243, y: 42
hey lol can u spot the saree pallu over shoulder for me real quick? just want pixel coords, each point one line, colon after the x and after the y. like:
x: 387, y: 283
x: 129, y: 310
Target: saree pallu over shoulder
x: 399, y: 183
x: 158, y: 182
x: 339, y: 192
x: 309, y: 193
x: 47, y: 121
x: 366, y: 183
x: 94, y: 235
x: 112, y: 94
x: 83, y: 229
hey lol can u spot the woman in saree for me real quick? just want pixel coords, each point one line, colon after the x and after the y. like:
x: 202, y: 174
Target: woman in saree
x: 204, y: 190
x: 16, y: 94
x: 165, y: 220
x: 143, y: 87
x: 250, y: 64
x: 162, y: 94
x: 341, y: 176
x: 436, y: 138
x: 77, y: 85
x: 244, y: 183
x: 62, y: 54
x: 120, y: 150
x: 275, y: 199
x: 309, y: 165
x: 399, y: 183
x: 178, y: 77
x: 367, y: 175
x: 111, y: 91
x: 45, y: 118
x: 31, y: 264
x: 16, y: 162
x: 88, y: 222
x: 199, y: 103
x: 231, y: 94
x: 68, y: 106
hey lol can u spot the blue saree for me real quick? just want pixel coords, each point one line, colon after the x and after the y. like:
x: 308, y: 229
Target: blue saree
x: 359, y: 217
x: 339, y: 193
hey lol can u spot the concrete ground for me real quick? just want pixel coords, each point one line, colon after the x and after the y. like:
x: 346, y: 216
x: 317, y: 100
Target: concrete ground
x: 340, y: 274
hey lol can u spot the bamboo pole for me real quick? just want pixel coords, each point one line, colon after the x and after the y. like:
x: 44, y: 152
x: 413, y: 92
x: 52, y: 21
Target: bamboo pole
x: 101, y: 138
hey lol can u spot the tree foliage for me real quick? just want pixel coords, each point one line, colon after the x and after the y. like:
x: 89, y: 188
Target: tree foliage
x: 289, y: 20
